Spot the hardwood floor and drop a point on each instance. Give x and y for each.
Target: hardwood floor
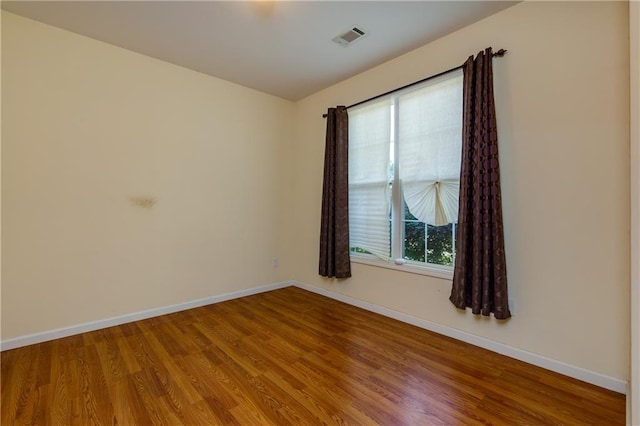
(285, 357)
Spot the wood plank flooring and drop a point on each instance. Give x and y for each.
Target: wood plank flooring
(286, 357)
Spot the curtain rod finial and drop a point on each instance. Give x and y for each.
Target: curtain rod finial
(500, 52)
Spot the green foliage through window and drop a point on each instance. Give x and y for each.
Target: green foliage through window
(427, 243)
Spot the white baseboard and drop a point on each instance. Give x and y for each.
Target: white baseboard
(579, 373)
(58, 333)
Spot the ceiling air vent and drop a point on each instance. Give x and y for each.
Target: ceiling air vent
(350, 37)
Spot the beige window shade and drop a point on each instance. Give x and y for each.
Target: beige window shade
(369, 203)
(430, 132)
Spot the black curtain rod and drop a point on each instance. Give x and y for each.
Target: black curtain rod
(500, 53)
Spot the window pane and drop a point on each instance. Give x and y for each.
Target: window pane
(359, 250)
(408, 215)
(414, 241)
(440, 244)
(413, 138)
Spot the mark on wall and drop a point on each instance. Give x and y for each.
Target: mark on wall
(143, 202)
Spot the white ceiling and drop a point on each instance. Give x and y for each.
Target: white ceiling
(279, 47)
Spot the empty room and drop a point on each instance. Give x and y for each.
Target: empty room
(320, 212)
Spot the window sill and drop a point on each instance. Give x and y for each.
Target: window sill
(432, 271)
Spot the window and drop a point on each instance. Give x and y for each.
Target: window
(404, 171)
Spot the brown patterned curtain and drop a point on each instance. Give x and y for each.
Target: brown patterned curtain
(480, 274)
(334, 226)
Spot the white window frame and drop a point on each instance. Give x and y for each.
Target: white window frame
(397, 215)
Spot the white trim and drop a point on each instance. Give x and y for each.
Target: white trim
(58, 333)
(432, 271)
(579, 373)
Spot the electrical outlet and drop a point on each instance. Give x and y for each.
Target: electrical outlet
(275, 262)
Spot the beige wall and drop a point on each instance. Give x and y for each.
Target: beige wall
(0, 184)
(634, 56)
(562, 98)
(88, 128)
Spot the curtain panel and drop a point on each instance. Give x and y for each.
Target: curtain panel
(480, 273)
(334, 223)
